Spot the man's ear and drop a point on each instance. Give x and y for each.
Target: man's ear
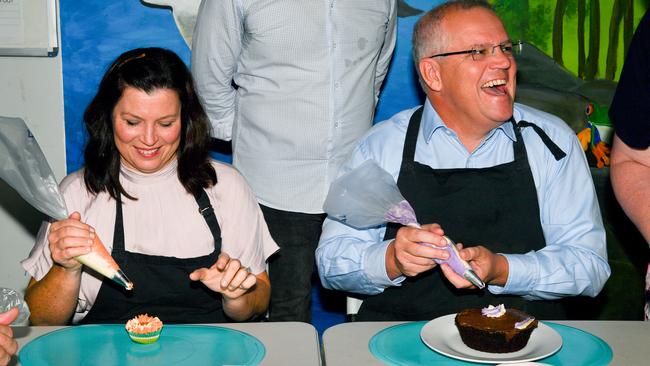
(430, 73)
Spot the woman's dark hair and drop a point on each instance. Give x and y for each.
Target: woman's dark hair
(146, 69)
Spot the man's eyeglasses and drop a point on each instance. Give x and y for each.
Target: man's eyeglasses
(480, 52)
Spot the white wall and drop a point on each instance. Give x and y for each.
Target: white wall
(30, 88)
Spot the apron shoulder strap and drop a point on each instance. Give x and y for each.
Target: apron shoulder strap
(552, 146)
(207, 211)
(410, 140)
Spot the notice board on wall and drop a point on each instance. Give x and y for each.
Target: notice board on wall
(28, 28)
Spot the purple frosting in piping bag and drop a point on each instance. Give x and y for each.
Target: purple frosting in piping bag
(403, 213)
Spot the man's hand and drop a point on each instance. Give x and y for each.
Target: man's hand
(226, 276)
(413, 250)
(490, 267)
(8, 345)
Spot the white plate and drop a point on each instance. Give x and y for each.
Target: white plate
(442, 336)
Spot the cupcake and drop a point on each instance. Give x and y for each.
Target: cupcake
(495, 329)
(144, 328)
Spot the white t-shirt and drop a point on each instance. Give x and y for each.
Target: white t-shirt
(164, 221)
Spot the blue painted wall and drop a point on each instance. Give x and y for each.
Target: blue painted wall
(93, 33)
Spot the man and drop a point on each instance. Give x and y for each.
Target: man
(8, 345)
(294, 84)
(630, 159)
(470, 162)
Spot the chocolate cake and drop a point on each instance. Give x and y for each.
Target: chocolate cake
(495, 329)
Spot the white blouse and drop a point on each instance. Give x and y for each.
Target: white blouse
(164, 221)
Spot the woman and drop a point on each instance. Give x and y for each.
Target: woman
(185, 229)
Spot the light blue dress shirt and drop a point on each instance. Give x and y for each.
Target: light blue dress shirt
(574, 261)
(308, 75)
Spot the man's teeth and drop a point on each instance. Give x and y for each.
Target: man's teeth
(493, 83)
(148, 152)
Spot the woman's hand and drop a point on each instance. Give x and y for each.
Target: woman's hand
(226, 276)
(68, 239)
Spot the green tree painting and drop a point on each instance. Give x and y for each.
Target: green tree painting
(588, 37)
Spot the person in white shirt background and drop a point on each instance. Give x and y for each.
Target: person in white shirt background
(293, 87)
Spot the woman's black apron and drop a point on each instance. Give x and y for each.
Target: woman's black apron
(162, 284)
(495, 207)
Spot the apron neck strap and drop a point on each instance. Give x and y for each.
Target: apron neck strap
(552, 146)
(411, 139)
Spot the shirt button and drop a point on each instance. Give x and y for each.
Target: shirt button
(337, 85)
(334, 45)
(337, 124)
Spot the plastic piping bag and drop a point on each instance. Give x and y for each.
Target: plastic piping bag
(367, 196)
(24, 167)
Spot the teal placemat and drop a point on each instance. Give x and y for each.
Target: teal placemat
(401, 345)
(111, 345)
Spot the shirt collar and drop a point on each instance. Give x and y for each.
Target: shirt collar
(433, 123)
(136, 176)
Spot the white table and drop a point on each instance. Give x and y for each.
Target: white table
(286, 343)
(347, 344)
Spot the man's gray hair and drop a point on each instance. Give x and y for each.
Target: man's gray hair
(427, 37)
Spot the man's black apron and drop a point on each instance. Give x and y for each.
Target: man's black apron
(495, 207)
(162, 284)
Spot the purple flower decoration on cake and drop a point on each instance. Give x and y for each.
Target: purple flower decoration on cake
(494, 311)
(524, 323)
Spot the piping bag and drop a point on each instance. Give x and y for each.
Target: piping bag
(24, 167)
(367, 196)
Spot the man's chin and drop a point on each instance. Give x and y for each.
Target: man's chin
(502, 112)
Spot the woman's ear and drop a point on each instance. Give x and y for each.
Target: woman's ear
(430, 73)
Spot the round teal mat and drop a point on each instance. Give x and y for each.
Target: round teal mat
(401, 345)
(111, 345)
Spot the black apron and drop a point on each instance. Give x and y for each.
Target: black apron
(162, 284)
(495, 207)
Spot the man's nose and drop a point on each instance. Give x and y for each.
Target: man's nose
(500, 59)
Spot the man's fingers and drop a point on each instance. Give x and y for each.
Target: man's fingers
(455, 279)
(421, 253)
(434, 228)
(469, 254)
